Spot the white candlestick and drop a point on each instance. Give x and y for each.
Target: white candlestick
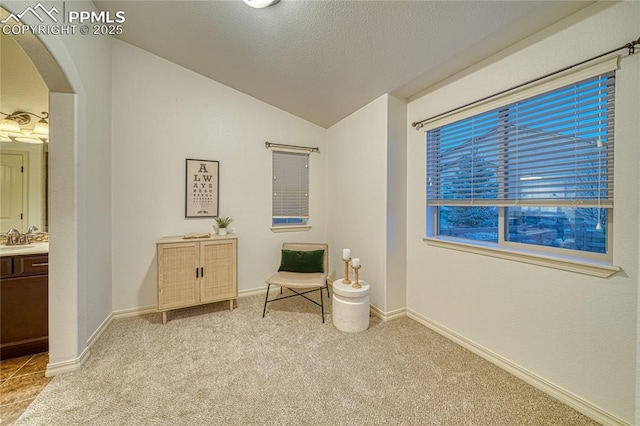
(346, 254)
(355, 262)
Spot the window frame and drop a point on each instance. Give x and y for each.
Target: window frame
(432, 232)
(597, 264)
(290, 227)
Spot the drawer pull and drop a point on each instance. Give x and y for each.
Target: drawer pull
(40, 264)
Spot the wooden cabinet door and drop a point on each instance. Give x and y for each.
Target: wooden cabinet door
(218, 258)
(24, 314)
(177, 281)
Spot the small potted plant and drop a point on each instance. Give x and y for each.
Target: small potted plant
(223, 223)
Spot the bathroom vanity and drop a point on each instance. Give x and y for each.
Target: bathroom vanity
(24, 312)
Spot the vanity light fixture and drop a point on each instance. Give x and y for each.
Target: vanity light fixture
(28, 137)
(41, 130)
(260, 4)
(11, 127)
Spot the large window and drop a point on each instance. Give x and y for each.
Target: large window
(290, 192)
(535, 173)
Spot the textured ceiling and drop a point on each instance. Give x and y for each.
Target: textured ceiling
(323, 60)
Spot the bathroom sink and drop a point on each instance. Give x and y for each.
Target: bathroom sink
(12, 248)
(24, 249)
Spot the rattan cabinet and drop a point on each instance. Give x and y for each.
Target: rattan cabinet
(195, 272)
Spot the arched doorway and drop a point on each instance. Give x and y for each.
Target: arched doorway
(52, 60)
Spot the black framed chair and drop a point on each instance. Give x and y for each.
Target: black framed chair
(301, 283)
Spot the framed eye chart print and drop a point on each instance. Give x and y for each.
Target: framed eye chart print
(202, 185)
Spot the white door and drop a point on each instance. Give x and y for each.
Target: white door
(11, 192)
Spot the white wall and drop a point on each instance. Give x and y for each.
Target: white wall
(357, 174)
(573, 330)
(92, 59)
(164, 114)
(367, 197)
(65, 342)
(396, 244)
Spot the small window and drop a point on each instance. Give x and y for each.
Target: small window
(536, 173)
(290, 195)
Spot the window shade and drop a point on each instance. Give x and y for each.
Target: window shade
(290, 185)
(552, 149)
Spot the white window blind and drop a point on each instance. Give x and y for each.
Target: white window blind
(290, 186)
(552, 149)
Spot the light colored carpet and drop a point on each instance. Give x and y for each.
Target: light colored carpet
(209, 366)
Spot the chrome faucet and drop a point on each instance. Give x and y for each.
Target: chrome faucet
(13, 237)
(31, 232)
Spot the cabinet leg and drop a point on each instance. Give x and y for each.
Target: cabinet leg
(164, 318)
(231, 305)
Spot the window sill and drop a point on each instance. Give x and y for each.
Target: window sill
(582, 266)
(292, 228)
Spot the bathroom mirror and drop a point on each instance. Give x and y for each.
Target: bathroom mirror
(23, 166)
(23, 180)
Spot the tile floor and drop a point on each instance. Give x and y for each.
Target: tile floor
(21, 380)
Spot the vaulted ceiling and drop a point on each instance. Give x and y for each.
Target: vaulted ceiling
(322, 60)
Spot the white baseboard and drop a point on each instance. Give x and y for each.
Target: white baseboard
(124, 313)
(96, 334)
(56, 368)
(134, 312)
(375, 311)
(74, 364)
(252, 292)
(563, 395)
(387, 316)
(379, 313)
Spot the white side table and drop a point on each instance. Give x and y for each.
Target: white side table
(350, 306)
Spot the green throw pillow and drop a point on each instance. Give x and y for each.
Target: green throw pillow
(302, 261)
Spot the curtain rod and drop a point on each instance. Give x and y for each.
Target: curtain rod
(301, 148)
(632, 49)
